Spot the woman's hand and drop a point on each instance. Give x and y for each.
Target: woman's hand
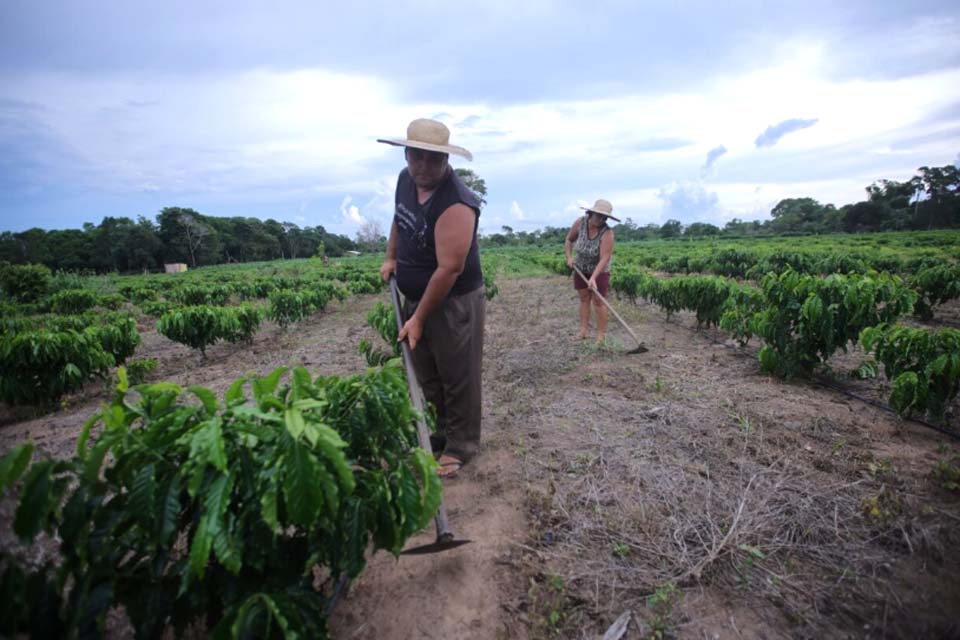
(570, 262)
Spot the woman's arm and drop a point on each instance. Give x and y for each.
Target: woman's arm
(572, 236)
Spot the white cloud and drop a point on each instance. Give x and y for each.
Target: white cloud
(690, 202)
(350, 213)
(308, 135)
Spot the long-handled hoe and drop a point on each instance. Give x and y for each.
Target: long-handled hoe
(445, 538)
(640, 348)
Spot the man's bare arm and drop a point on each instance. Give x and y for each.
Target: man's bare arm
(453, 236)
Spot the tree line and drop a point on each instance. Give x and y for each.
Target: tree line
(178, 235)
(929, 200)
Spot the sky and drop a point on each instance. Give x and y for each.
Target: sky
(694, 111)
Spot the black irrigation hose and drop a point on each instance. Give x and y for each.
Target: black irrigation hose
(850, 394)
(337, 590)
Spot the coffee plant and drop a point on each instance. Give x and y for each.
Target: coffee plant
(923, 365)
(805, 319)
(186, 510)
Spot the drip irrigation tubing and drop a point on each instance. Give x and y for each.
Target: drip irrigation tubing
(831, 385)
(337, 590)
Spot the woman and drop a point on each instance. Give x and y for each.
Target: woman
(593, 240)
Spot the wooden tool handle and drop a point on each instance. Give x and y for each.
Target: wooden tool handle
(614, 311)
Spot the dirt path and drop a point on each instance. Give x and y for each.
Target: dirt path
(680, 485)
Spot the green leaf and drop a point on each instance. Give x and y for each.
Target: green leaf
(211, 523)
(432, 487)
(85, 434)
(301, 484)
(332, 446)
(206, 397)
(35, 501)
(272, 606)
(228, 548)
(268, 506)
(355, 530)
(143, 494)
(170, 510)
(234, 394)
(14, 464)
(294, 421)
(265, 386)
(206, 445)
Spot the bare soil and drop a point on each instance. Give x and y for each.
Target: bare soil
(681, 485)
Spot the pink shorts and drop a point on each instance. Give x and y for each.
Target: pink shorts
(603, 283)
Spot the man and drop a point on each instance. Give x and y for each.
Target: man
(433, 253)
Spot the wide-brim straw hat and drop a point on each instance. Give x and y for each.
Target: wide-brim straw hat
(429, 135)
(603, 207)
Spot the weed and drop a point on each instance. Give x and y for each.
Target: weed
(882, 507)
(745, 565)
(837, 446)
(947, 473)
(658, 384)
(660, 604)
(140, 370)
(551, 610)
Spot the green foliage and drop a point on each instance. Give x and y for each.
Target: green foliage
(195, 327)
(803, 320)
(706, 296)
(157, 308)
(490, 286)
(42, 359)
(947, 473)
(923, 365)
(118, 337)
(552, 610)
(660, 605)
(247, 324)
(140, 370)
(25, 282)
(184, 508)
(935, 285)
(73, 301)
(287, 307)
(384, 322)
(201, 326)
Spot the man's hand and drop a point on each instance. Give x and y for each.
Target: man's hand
(411, 331)
(570, 262)
(388, 267)
(592, 283)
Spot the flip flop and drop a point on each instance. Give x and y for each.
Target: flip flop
(449, 466)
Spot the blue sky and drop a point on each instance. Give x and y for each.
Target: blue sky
(698, 111)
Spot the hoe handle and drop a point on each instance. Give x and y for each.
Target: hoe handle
(612, 310)
(416, 397)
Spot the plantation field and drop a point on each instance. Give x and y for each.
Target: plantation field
(685, 485)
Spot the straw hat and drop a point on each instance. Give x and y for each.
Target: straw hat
(603, 207)
(430, 135)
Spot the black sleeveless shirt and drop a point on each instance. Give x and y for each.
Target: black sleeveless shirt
(416, 251)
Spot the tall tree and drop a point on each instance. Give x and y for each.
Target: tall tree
(475, 183)
(370, 236)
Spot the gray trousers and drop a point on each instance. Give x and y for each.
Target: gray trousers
(447, 362)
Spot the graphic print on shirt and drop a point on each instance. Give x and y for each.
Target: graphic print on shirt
(413, 225)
